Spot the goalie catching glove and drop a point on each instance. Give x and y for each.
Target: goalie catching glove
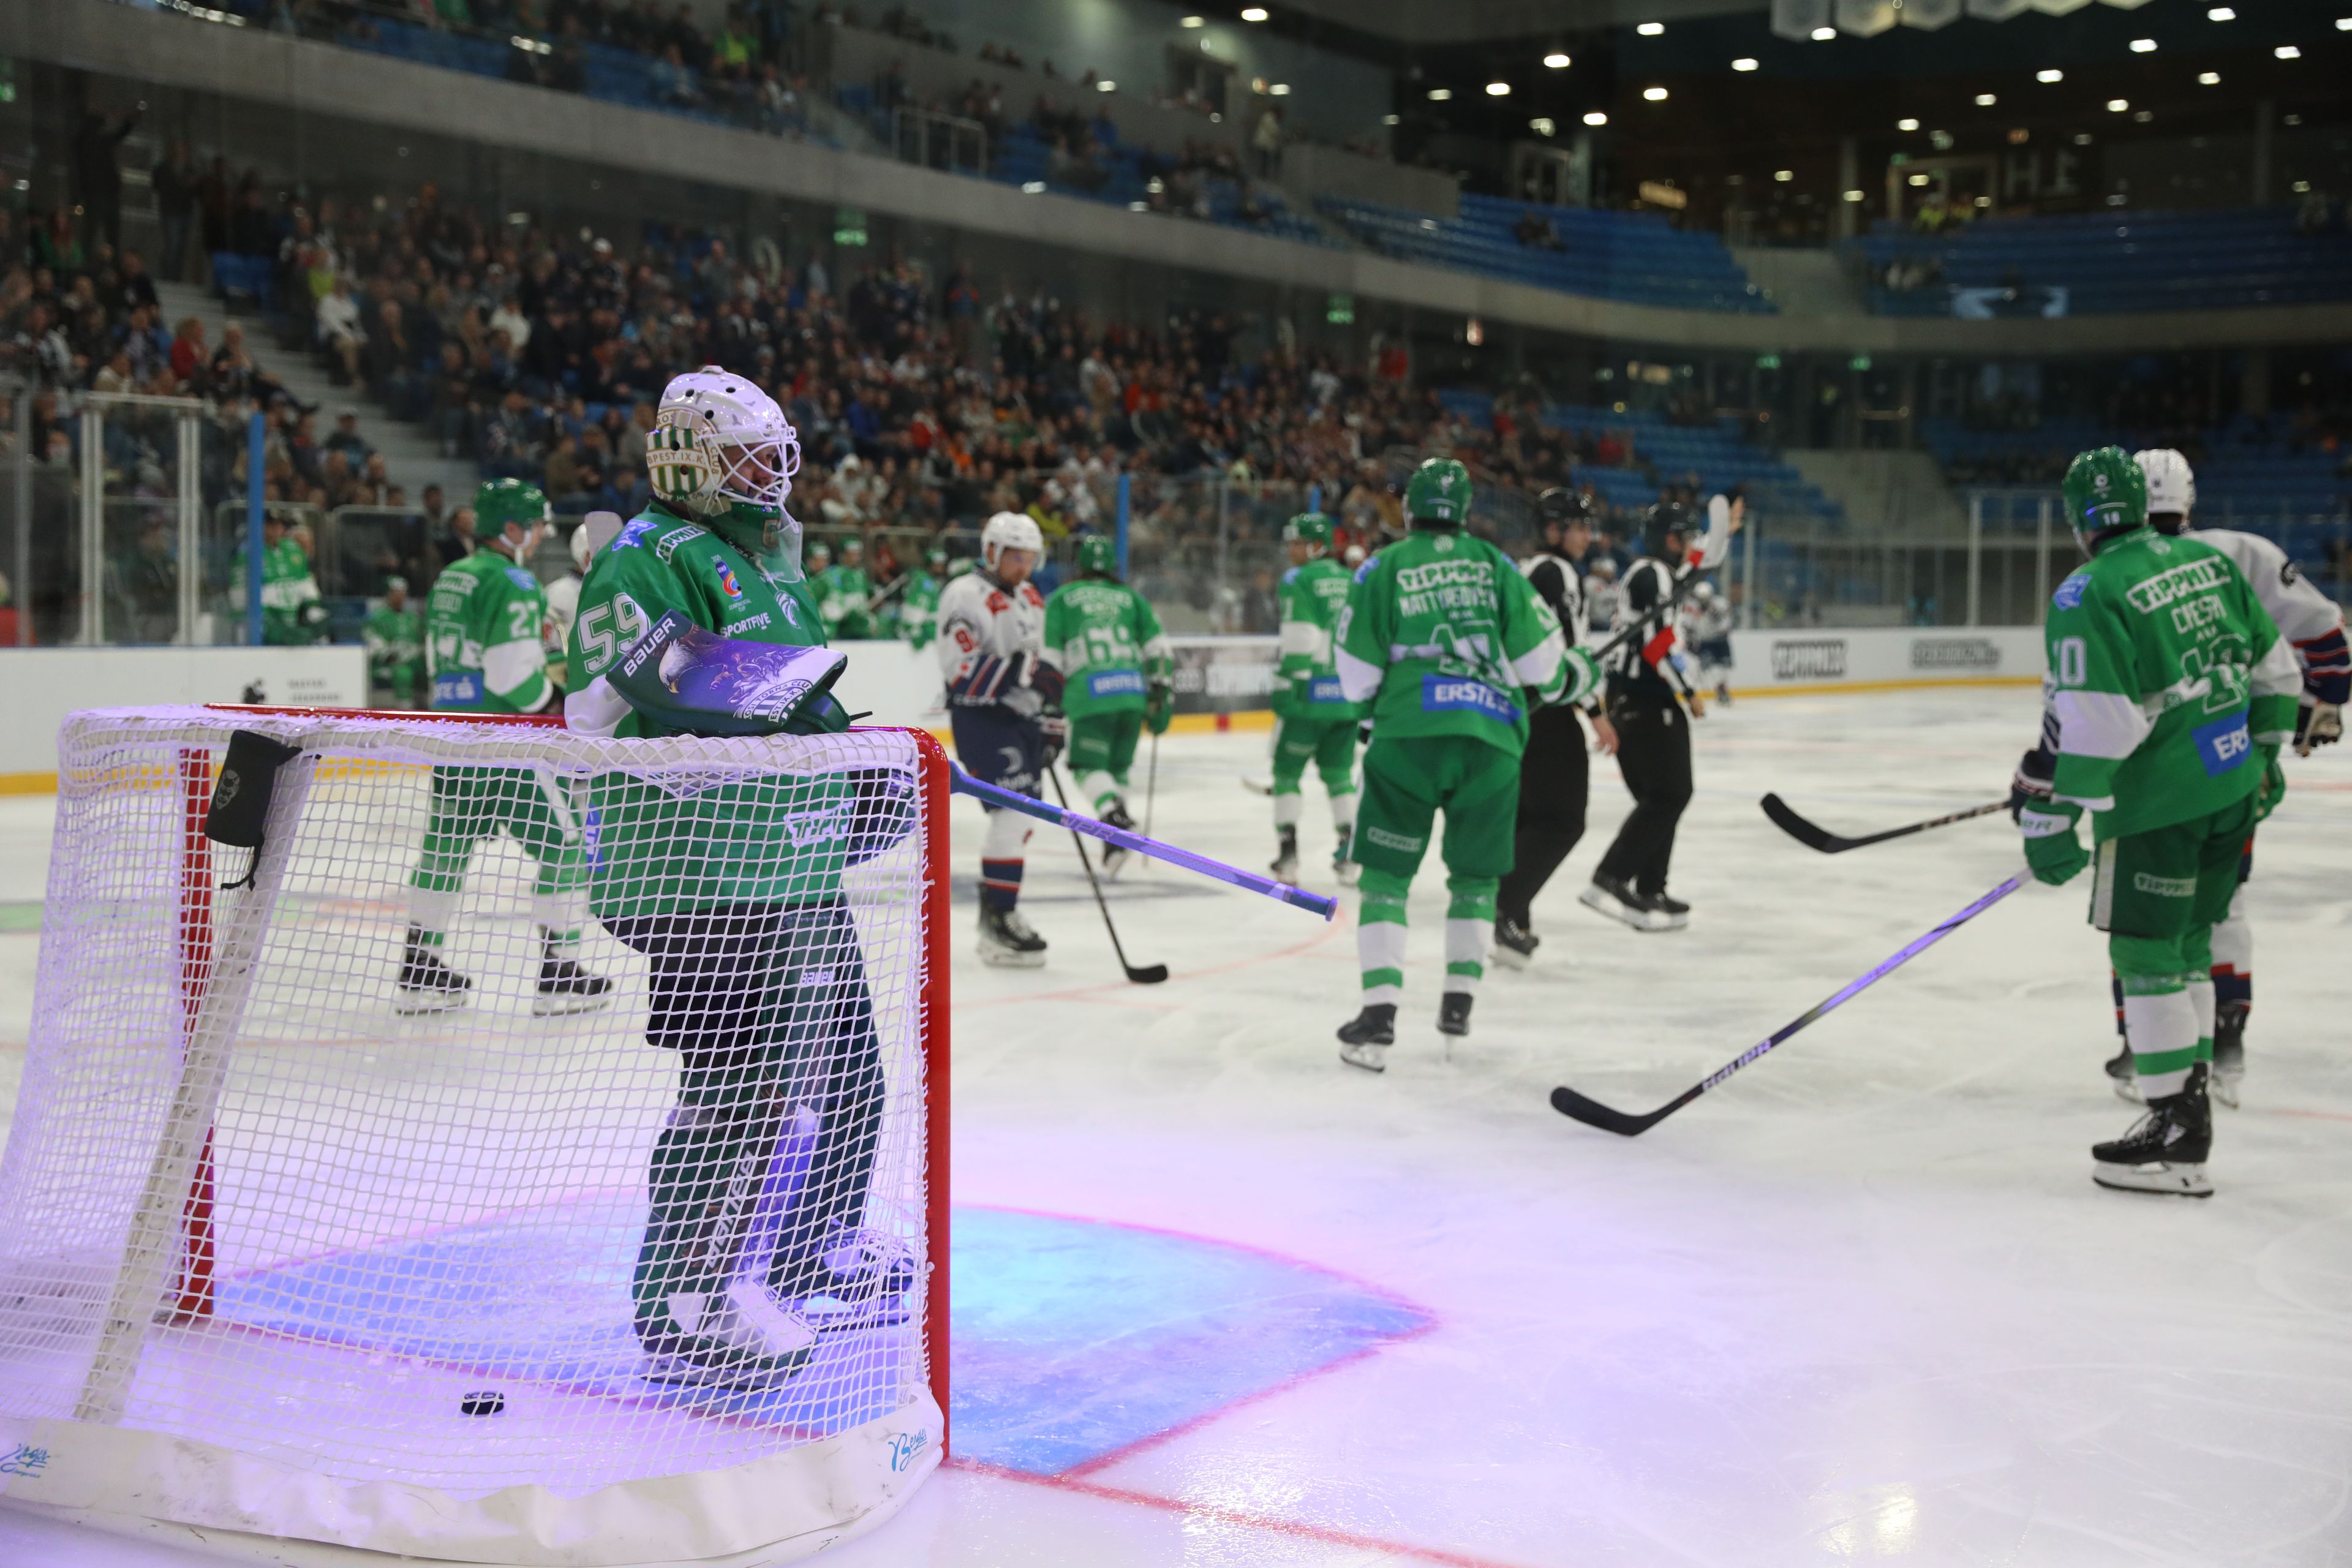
(696, 682)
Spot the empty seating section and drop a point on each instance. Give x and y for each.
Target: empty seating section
(2110, 261)
(1637, 258)
(1122, 175)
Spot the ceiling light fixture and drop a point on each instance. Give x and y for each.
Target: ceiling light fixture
(1986, 100)
(1823, 35)
(1279, 89)
(1907, 125)
(2208, 79)
(1106, 85)
(1254, 14)
(1498, 89)
(1542, 125)
(2287, 52)
(1654, 94)
(1651, 29)
(2050, 76)
(1555, 60)
(1440, 94)
(1193, 22)
(2143, 46)
(1743, 64)
(2117, 105)
(1595, 117)
(1784, 175)
(2220, 13)
(1856, 195)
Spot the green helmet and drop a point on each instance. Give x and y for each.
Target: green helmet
(1309, 528)
(961, 567)
(1098, 556)
(935, 556)
(1439, 492)
(819, 553)
(2106, 493)
(502, 501)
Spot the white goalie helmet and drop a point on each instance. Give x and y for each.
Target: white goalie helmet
(2171, 486)
(1009, 531)
(718, 441)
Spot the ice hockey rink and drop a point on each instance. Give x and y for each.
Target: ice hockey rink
(1863, 1302)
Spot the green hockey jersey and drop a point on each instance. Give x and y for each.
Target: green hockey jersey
(482, 629)
(2167, 676)
(395, 650)
(1443, 635)
(919, 610)
(291, 611)
(774, 838)
(1106, 639)
(1307, 681)
(842, 596)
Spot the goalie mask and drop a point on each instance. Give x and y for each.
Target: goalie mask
(722, 453)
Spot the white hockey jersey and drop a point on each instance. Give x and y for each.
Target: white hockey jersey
(2304, 614)
(991, 639)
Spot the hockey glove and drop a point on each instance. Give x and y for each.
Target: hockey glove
(1053, 734)
(2273, 789)
(2321, 724)
(2052, 849)
(1159, 707)
(2030, 785)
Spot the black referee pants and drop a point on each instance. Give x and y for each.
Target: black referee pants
(1554, 779)
(1653, 753)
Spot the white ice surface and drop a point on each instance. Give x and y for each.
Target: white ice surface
(1863, 1302)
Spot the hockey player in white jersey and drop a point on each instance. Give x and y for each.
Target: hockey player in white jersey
(2314, 625)
(1005, 703)
(563, 604)
(1707, 631)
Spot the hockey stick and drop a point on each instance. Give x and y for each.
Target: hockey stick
(1150, 975)
(963, 783)
(1815, 837)
(1151, 785)
(1593, 1113)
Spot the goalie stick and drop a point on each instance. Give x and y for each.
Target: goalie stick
(1593, 1113)
(1146, 974)
(1816, 837)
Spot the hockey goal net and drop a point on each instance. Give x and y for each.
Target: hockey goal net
(531, 1149)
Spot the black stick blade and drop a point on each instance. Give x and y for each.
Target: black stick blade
(1593, 1113)
(1151, 974)
(1786, 819)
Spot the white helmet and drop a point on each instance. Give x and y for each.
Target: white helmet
(2170, 485)
(583, 548)
(1009, 531)
(718, 441)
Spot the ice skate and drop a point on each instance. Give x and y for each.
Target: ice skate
(1668, 912)
(1614, 897)
(2229, 1057)
(1114, 857)
(2166, 1150)
(742, 1340)
(1453, 1013)
(2122, 1076)
(1364, 1040)
(1342, 867)
(1286, 859)
(864, 1281)
(1515, 944)
(426, 983)
(565, 987)
(1007, 943)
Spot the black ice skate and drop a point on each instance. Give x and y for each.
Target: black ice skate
(565, 987)
(1286, 858)
(1453, 1013)
(1615, 896)
(1670, 912)
(1006, 941)
(1515, 944)
(2166, 1150)
(1365, 1040)
(426, 983)
(1113, 855)
(2229, 1054)
(2123, 1077)
(1344, 868)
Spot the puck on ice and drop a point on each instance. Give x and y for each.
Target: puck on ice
(488, 1402)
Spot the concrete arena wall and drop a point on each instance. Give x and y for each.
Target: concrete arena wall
(39, 686)
(1222, 682)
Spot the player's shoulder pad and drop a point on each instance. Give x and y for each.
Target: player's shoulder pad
(2069, 593)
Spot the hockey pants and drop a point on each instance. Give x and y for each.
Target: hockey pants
(1406, 783)
(2159, 894)
(1553, 783)
(1653, 752)
(471, 805)
(779, 1108)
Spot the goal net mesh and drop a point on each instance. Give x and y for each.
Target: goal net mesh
(559, 1122)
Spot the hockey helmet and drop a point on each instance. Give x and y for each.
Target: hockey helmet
(853, 548)
(1668, 517)
(503, 502)
(2171, 486)
(718, 441)
(1564, 504)
(1098, 556)
(1438, 493)
(935, 556)
(2106, 494)
(1009, 531)
(820, 555)
(583, 548)
(1309, 528)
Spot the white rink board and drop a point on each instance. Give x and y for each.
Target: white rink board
(39, 686)
(1861, 1302)
(1872, 655)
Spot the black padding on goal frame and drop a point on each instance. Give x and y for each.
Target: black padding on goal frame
(240, 803)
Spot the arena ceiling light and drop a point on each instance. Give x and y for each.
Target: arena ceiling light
(1986, 100)
(2208, 79)
(1279, 89)
(1654, 94)
(2220, 13)
(1595, 117)
(1106, 85)
(1254, 14)
(1856, 195)
(1918, 179)
(1440, 94)
(2287, 52)
(2143, 46)
(1907, 125)
(1498, 89)
(1651, 29)
(1543, 125)
(1193, 22)
(2050, 76)
(1823, 35)
(1555, 60)
(1392, 120)
(1743, 64)
(2117, 105)
(1784, 175)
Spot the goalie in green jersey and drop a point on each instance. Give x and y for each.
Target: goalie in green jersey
(1313, 720)
(1107, 640)
(484, 654)
(2173, 691)
(1450, 646)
